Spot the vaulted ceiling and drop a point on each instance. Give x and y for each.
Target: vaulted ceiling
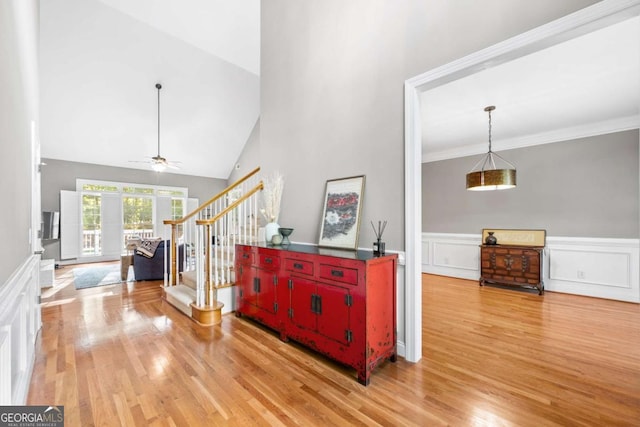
(100, 61)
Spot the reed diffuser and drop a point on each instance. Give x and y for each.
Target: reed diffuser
(378, 245)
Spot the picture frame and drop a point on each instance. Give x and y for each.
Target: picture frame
(517, 237)
(340, 223)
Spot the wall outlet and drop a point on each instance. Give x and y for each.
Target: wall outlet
(580, 274)
(446, 261)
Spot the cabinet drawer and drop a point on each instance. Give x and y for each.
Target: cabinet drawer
(244, 257)
(299, 266)
(268, 262)
(339, 274)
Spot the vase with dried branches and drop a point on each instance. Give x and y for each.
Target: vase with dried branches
(271, 197)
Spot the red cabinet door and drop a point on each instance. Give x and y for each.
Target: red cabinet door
(302, 294)
(333, 314)
(265, 290)
(244, 281)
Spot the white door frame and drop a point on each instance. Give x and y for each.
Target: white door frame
(581, 22)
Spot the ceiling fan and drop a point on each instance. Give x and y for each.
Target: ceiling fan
(159, 163)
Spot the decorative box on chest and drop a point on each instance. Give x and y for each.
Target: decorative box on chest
(339, 303)
(515, 259)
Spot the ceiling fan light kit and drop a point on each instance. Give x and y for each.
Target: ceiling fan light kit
(486, 175)
(159, 163)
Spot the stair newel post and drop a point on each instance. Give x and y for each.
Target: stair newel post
(214, 273)
(207, 264)
(173, 270)
(199, 266)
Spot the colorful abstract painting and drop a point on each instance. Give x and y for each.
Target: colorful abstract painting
(341, 213)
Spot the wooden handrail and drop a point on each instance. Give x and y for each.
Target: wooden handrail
(232, 206)
(213, 199)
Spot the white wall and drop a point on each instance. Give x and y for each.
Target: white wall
(19, 269)
(18, 110)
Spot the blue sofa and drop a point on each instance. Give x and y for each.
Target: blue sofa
(153, 268)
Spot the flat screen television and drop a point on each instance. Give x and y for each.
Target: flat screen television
(50, 225)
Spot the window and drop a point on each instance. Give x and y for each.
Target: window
(91, 224)
(137, 217)
(132, 210)
(177, 208)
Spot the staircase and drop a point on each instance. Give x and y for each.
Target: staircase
(209, 235)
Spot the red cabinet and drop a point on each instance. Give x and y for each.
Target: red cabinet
(317, 308)
(340, 303)
(257, 281)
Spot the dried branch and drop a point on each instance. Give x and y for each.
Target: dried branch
(271, 196)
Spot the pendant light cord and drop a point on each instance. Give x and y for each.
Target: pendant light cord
(489, 130)
(158, 86)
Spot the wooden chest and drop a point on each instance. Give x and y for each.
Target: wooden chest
(512, 265)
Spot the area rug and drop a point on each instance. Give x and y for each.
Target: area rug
(89, 277)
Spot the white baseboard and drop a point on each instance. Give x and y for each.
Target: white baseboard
(596, 267)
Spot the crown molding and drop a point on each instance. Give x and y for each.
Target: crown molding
(583, 131)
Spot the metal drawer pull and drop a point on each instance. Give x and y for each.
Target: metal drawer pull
(268, 260)
(507, 262)
(298, 266)
(245, 256)
(337, 273)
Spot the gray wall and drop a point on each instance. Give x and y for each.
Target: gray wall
(332, 76)
(18, 107)
(582, 188)
(249, 158)
(61, 175)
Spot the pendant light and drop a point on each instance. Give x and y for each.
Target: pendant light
(486, 175)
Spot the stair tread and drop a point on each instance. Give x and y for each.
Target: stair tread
(181, 293)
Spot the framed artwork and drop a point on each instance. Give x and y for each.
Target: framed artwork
(341, 213)
(516, 237)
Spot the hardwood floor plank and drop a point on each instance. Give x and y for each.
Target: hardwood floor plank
(120, 355)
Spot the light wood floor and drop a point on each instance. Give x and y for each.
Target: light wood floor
(119, 355)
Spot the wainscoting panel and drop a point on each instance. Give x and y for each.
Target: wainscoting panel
(594, 268)
(603, 268)
(19, 324)
(455, 255)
